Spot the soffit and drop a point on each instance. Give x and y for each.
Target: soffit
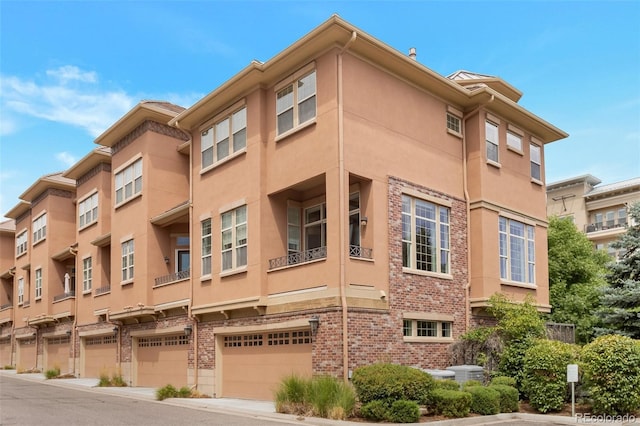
(18, 210)
(88, 162)
(52, 181)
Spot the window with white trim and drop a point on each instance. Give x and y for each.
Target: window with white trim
(205, 232)
(234, 238)
(517, 251)
(296, 103)
(535, 162)
(87, 273)
(492, 141)
(426, 329)
(425, 235)
(514, 141)
(453, 123)
(306, 230)
(128, 182)
(354, 219)
(21, 243)
(127, 260)
(40, 228)
(315, 227)
(38, 283)
(224, 138)
(20, 290)
(88, 210)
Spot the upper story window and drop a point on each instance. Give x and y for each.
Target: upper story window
(514, 141)
(354, 219)
(21, 243)
(20, 290)
(493, 144)
(128, 181)
(517, 251)
(234, 238)
(225, 137)
(425, 235)
(306, 232)
(453, 123)
(40, 228)
(87, 274)
(88, 210)
(38, 283)
(536, 162)
(622, 217)
(205, 227)
(127, 260)
(296, 103)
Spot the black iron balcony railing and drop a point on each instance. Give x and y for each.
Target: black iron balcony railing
(177, 276)
(5, 306)
(298, 257)
(26, 303)
(601, 226)
(63, 296)
(361, 252)
(102, 290)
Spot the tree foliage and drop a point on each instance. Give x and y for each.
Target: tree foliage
(576, 278)
(620, 311)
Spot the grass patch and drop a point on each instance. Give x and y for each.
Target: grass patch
(52, 373)
(321, 396)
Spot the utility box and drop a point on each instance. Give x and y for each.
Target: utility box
(464, 373)
(441, 374)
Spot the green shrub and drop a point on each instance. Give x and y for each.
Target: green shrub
(470, 383)
(447, 384)
(104, 381)
(376, 410)
(9, 367)
(384, 381)
(52, 373)
(484, 400)
(544, 373)
(403, 411)
(118, 381)
(451, 403)
(323, 396)
(292, 389)
(168, 391)
(612, 374)
(508, 398)
(184, 392)
(503, 380)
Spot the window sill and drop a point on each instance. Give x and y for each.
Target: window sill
(494, 164)
(518, 284)
(127, 282)
(230, 272)
(225, 160)
(128, 200)
(537, 182)
(87, 225)
(204, 278)
(427, 273)
(35, 243)
(454, 133)
(21, 254)
(37, 299)
(362, 259)
(427, 339)
(515, 150)
(296, 129)
(85, 292)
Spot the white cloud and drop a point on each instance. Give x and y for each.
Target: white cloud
(7, 126)
(70, 72)
(66, 158)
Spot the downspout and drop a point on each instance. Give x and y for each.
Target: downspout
(342, 214)
(465, 187)
(74, 253)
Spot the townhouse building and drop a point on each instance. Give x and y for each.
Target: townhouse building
(600, 211)
(337, 205)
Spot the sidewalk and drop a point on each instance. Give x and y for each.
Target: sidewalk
(266, 409)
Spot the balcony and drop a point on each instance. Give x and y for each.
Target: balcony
(63, 296)
(603, 226)
(360, 252)
(5, 306)
(298, 258)
(171, 278)
(26, 303)
(102, 290)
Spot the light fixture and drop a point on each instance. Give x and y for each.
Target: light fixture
(314, 323)
(68, 332)
(115, 331)
(188, 330)
(166, 260)
(363, 221)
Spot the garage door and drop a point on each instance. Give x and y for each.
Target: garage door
(58, 351)
(99, 356)
(26, 356)
(162, 361)
(5, 351)
(254, 364)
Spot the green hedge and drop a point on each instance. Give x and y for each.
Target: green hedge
(504, 380)
(391, 382)
(447, 384)
(508, 398)
(375, 410)
(484, 400)
(451, 403)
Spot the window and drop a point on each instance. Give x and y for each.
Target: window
(622, 217)
(20, 290)
(294, 242)
(598, 221)
(40, 228)
(611, 219)
(354, 219)
(205, 227)
(38, 283)
(88, 210)
(453, 123)
(306, 233)
(514, 141)
(127, 260)
(234, 238)
(491, 135)
(87, 274)
(426, 328)
(425, 235)
(224, 138)
(517, 251)
(315, 226)
(535, 162)
(296, 103)
(21, 243)
(129, 182)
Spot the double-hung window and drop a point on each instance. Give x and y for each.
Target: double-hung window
(40, 228)
(296, 103)
(38, 283)
(307, 232)
(87, 274)
(88, 210)
(492, 141)
(517, 251)
(354, 219)
(21, 243)
(425, 235)
(224, 138)
(205, 227)
(20, 291)
(127, 260)
(234, 238)
(128, 181)
(514, 141)
(536, 162)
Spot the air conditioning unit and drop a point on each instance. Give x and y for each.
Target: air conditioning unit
(464, 373)
(441, 374)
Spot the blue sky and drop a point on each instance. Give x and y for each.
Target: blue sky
(69, 69)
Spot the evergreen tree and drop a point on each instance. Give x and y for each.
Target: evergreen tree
(576, 278)
(620, 311)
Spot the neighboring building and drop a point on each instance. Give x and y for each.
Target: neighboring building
(335, 206)
(601, 212)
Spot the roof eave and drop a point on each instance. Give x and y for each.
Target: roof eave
(88, 162)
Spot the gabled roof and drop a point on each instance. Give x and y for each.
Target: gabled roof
(99, 155)
(472, 80)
